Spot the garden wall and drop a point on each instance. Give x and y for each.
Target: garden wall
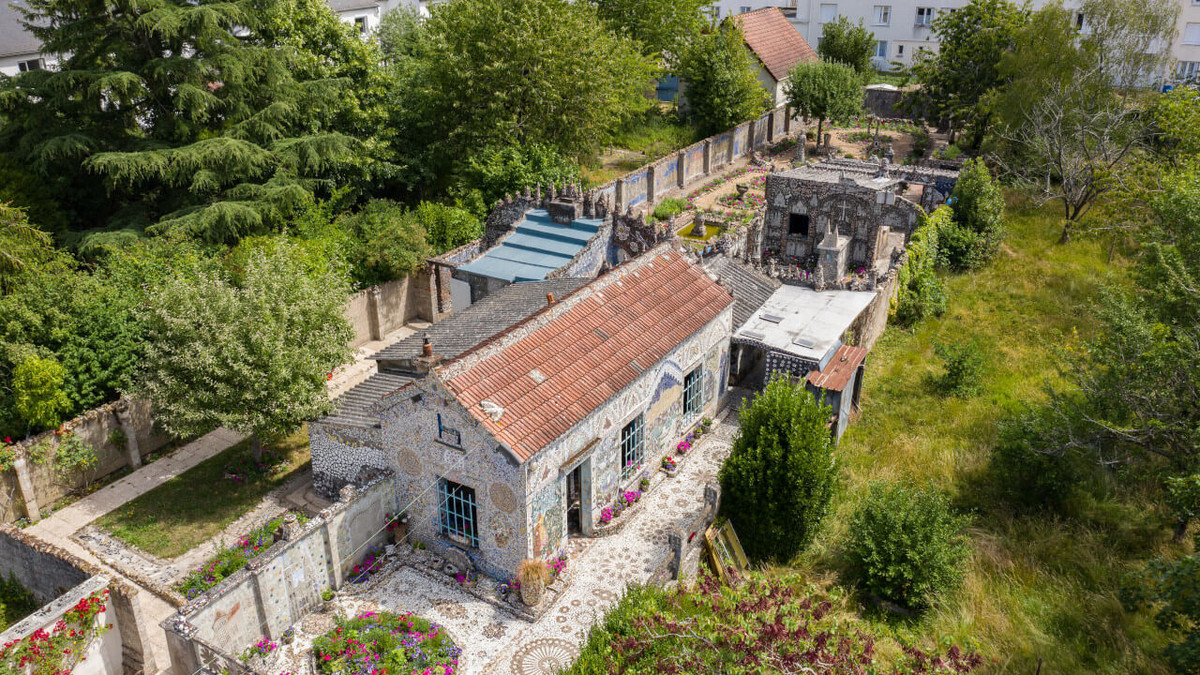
(59, 580)
(33, 485)
(376, 311)
(280, 586)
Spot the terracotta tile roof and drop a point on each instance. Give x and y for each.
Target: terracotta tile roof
(773, 39)
(552, 370)
(839, 370)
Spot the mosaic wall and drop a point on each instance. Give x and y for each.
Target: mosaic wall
(590, 259)
(666, 175)
(633, 190)
(719, 151)
(741, 140)
(694, 162)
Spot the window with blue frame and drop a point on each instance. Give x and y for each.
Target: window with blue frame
(632, 447)
(692, 383)
(447, 434)
(456, 504)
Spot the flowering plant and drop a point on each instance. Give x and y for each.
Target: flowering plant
(383, 642)
(683, 447)
(60, 648)
(368, 566)
(229, 560)
(631, 496)
(668, 463)
(260, 648)
(511, 586)
(8, 453)
(557, 564)
(607, 514)
(465, 578)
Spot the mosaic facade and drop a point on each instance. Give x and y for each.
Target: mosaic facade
(520, 508)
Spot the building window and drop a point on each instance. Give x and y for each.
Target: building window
(798, 224)
(632, 447)
(457, 508)
(828, 12)
(745, 9)
(360, 23)
(691, 391)
(881, 49)
(924, 16)
(1188, 70)
(31, 64)
(1078, 20)
(1191, 34)
(899, 50)
(448, 435)
(883, 15)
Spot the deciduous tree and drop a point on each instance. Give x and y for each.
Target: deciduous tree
(847, 43)
(250, 356)
(722, 80)
(662, 28)
(825, 91)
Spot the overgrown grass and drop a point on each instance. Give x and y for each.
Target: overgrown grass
(230, 559)
(1037, 587)
(16, 602)
(655, 134)
(193, 507)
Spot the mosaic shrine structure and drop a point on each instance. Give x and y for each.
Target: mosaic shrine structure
(502, 453)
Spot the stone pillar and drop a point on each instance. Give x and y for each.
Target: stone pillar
(25, 485)
(124, 413)
(185, 657)
(619, 189)
(651, 181)
(681, 169)
(374, 312)
(751, 136)
(732, 143)
(260, 605)
(136, 655)
(707, 157)
(335, 556)
(787, 120)
(675, 545)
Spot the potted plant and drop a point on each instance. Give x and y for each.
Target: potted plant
(644, 483)
(288, 635)
(397, 526)
(533, 575)
(669, 465)
(327, 599)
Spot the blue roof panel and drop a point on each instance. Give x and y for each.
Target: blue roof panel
(537, 247)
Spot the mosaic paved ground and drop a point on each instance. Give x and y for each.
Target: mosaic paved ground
(497, 643)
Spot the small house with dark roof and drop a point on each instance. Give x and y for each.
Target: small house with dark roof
(505, 450)
(777, 45)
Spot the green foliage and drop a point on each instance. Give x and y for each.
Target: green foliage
(387, 242)
(1183, 498)
(447, 227)
(518, 72)
(921, 293)
(975, 233)
(501, 170)
(1172, 589)
(38, 395)
(669, 207)
(251, 356)
(906, 544)
(230, 559)
(662, 28)
(960, 79)
(130, 129)
(1030, 471)
(847, 43)
(825, 91)
(399, 33)
(21, 244)
(722, 80)
(395, 643)
(16, 602)
(758, 626)
(964, 365)
(780, 474)
(72, 456)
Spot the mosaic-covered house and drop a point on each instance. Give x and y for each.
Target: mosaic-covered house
(506, 450)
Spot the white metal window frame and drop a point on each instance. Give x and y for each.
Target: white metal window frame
(925, 16)
(883, 15)
(829, 12)
(1191, 34)
(881, 49)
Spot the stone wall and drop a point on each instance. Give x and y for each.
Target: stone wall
(33, 485)
(59, 580)
(376, 311)
(590, 259)
(282, 585)
(872, 322)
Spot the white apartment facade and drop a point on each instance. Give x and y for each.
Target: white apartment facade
(903, 28)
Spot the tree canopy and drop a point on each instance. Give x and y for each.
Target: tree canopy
(662, 28)
(722, 80)
(847, 43)
(825, 91)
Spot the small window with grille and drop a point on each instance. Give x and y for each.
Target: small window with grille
(691, 391)
(448, 435)
(632, 447)
(456, 504)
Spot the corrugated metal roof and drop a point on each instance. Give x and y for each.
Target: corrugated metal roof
(839, 370)
(537, 247)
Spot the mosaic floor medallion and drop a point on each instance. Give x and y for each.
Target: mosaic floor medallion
(544, 657)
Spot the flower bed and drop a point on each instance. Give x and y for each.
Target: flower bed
(368, 567)
(262, 648)
(718, 182)
(229, 560)
(749, 200)
(59, 649)
(864, 137)
(383, 643)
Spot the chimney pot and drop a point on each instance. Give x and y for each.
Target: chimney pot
(549, 298)
(427, 347)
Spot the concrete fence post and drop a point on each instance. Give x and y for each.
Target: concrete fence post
(787, 120)
(771, 127)
(708, 156)
(729, 156)
(751, 136)
(675, 545)
(619, 190)
(25, 485)
(651, 180)
(681, 169)
(260, 605)
(375, 312)
(335, 556)
(124, 413)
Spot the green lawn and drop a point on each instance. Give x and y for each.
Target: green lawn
(1037, 587)
(193, 507)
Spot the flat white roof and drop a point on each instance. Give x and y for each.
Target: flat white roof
(804, 322)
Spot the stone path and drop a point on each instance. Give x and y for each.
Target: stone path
(59, 527)
(494, 641)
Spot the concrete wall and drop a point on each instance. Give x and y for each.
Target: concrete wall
(59, 581)
(283, 584)
(376, 311)
(34, 486)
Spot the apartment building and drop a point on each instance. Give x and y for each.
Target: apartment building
(1186, 48)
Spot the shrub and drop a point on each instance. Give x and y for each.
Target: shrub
(921, 293)
(387, 242)
(950, 152)
(906, 544)
(503, 170)
(37, 386)
(384, 642)
(447, 227)
(780, 474)
(978, 224)
(964, 367)
(669, 207)
(532, 571)
(1029, 466)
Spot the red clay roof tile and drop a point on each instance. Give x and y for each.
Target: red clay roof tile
(773, 39)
